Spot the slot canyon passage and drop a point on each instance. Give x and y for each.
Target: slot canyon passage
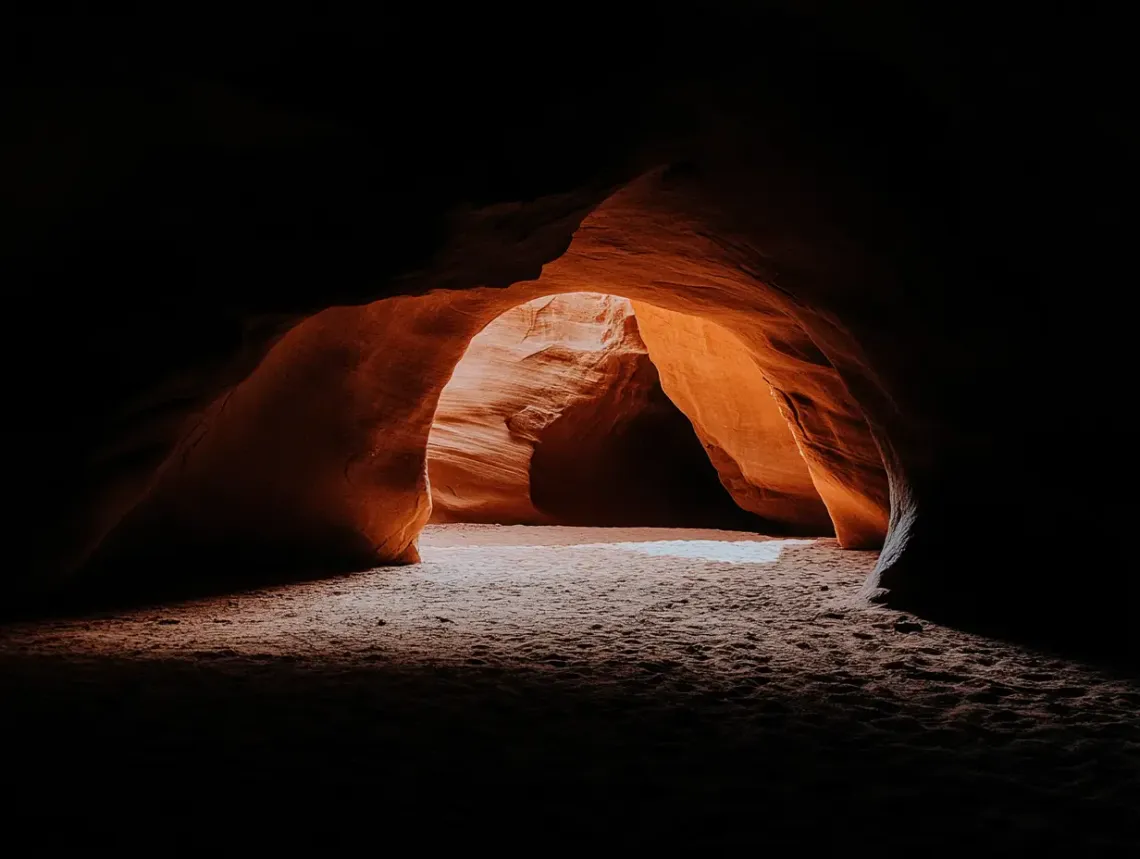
(705, 431)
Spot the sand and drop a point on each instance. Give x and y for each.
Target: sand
(645, 687)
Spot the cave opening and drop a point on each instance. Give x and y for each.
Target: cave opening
(652, 379)
(558, 414)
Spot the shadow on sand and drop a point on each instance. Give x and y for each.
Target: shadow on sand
(431, 755)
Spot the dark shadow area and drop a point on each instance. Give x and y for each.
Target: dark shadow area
(126, 587)
(411, 754)
(1067, 625)
(1063, 591)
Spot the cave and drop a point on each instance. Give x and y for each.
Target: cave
(687, 430)
(317, 461)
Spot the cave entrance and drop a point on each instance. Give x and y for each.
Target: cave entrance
(558, 414)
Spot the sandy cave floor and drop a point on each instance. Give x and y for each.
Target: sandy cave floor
(658, 686)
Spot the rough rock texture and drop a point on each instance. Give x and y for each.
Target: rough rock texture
(555, 414)
(751, 435)
(924, 214)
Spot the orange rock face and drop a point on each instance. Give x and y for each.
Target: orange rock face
(320, 457)
(715, 380)
(556, 415)
(517, 378)
(650, 242)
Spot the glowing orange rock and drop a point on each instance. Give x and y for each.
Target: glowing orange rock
(555, 415)
(518, 376)
(714, 379)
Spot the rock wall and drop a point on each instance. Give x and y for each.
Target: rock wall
(347, 400)
(755, 443)
(649, 242)
(314, 463)
(555, 415)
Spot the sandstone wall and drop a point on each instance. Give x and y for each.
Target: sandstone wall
(556, 415)
(715, 380)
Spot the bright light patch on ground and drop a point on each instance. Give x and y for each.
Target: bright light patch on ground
(736, 552)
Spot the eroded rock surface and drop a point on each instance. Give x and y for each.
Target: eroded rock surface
(320, 457)
(716, 380)
(555, 415)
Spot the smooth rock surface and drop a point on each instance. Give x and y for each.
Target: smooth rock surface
(555, 415)
(349, 395)
(716, 381)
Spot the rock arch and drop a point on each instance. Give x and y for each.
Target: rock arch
(319, 458)
(556, 415)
